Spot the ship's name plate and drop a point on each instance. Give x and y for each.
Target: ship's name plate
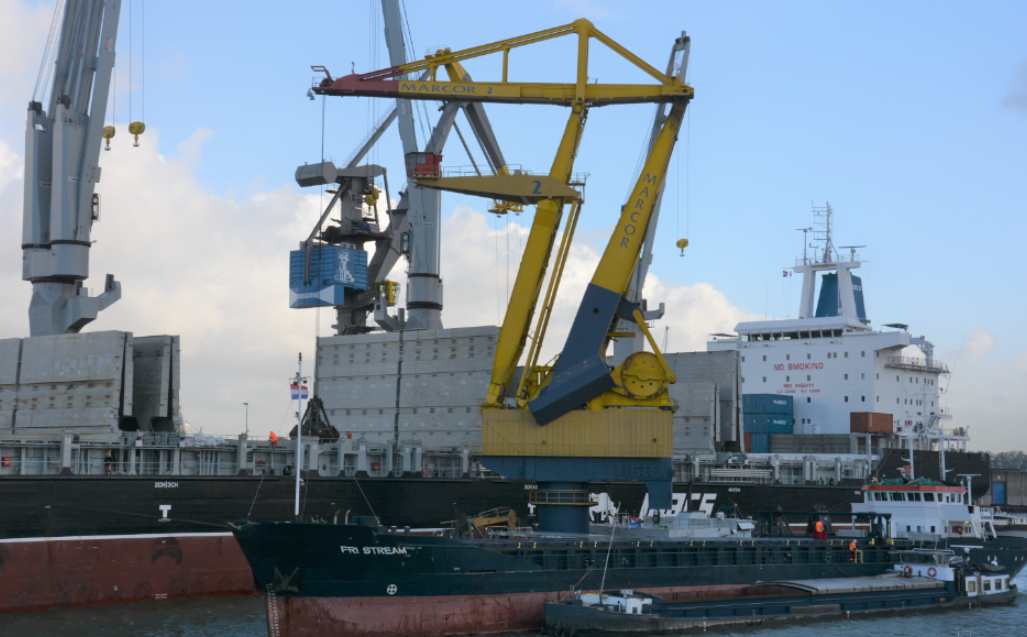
(374, 550)
(165, 485)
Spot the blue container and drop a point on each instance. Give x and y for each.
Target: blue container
(768, 404)
(333, 271)
(767, 424)
(761, 443)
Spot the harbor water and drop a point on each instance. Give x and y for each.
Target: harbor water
(244, 617)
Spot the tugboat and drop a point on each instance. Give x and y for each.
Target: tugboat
(921, 579)
(933, 514)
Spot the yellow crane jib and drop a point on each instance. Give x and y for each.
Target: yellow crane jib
(528, 189)
(581, 374)
(393, 82)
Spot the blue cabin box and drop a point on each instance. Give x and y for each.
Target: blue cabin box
(333, 270)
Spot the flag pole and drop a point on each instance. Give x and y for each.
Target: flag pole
(299, 433)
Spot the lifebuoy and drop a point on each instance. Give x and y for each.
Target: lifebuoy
(908, 570)
(426, 471)
(932, 571)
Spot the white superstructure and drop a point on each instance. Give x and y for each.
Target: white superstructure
(834, 363)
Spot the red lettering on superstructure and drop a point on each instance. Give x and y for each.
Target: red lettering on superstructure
(804, 366)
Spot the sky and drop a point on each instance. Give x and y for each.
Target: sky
(909, 118)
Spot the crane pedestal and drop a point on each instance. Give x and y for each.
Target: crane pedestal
(562, 507)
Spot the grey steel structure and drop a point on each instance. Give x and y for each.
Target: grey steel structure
(415, 224)
(96, 386)
(62, 148)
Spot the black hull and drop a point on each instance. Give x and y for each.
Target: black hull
(353, 580)
(75, 506)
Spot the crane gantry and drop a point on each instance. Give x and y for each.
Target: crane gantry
(576, 421)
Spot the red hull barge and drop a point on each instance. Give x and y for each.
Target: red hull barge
(72, 572)
(432, 616)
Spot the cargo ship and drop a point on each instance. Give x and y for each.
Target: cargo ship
(342, 580)
(108, 499)
(368, 580)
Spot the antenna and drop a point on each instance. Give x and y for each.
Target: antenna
(823, 231)
(852, 251)
(805, 245)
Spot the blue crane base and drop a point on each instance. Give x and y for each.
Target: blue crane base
(560, 478)
(581, 372)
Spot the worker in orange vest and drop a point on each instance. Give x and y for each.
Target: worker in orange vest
(274, 440)
(819, 533)
(852, 551)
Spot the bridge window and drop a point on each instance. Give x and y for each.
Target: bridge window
(846, 377)
(914, 497)
(880, 497)
(987, 585)
(896, 497)
(928, 497)
(971, 587)
(764, 358)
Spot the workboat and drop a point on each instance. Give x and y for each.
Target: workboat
(921, 579)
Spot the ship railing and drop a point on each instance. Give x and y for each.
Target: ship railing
(160, 439)
(916, 364)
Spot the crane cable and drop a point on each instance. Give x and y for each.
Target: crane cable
(47, 63)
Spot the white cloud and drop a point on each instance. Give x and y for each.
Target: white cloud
(982, 395)
(693, 313)
(210, 268)
(470, 273)
(980, 342)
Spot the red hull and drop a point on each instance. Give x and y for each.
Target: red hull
(430, 616)
(39, 574)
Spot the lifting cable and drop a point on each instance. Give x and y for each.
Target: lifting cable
(46, 65)
(498, 301)
(131, 54)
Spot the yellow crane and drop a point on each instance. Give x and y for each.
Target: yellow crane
(576, 421)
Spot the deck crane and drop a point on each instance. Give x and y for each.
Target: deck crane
(62, 152)
(577, 421)
(413, 229)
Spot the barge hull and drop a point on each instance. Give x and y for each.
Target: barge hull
(74, 572)
(431, 615)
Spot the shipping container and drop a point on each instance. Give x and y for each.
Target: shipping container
(767, 424)
(748, 443)
(760, 443)
(865, 422)
(333, 270)
(768, 404)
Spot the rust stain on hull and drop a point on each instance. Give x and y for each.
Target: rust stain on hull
(430, 616)
(40, 575)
